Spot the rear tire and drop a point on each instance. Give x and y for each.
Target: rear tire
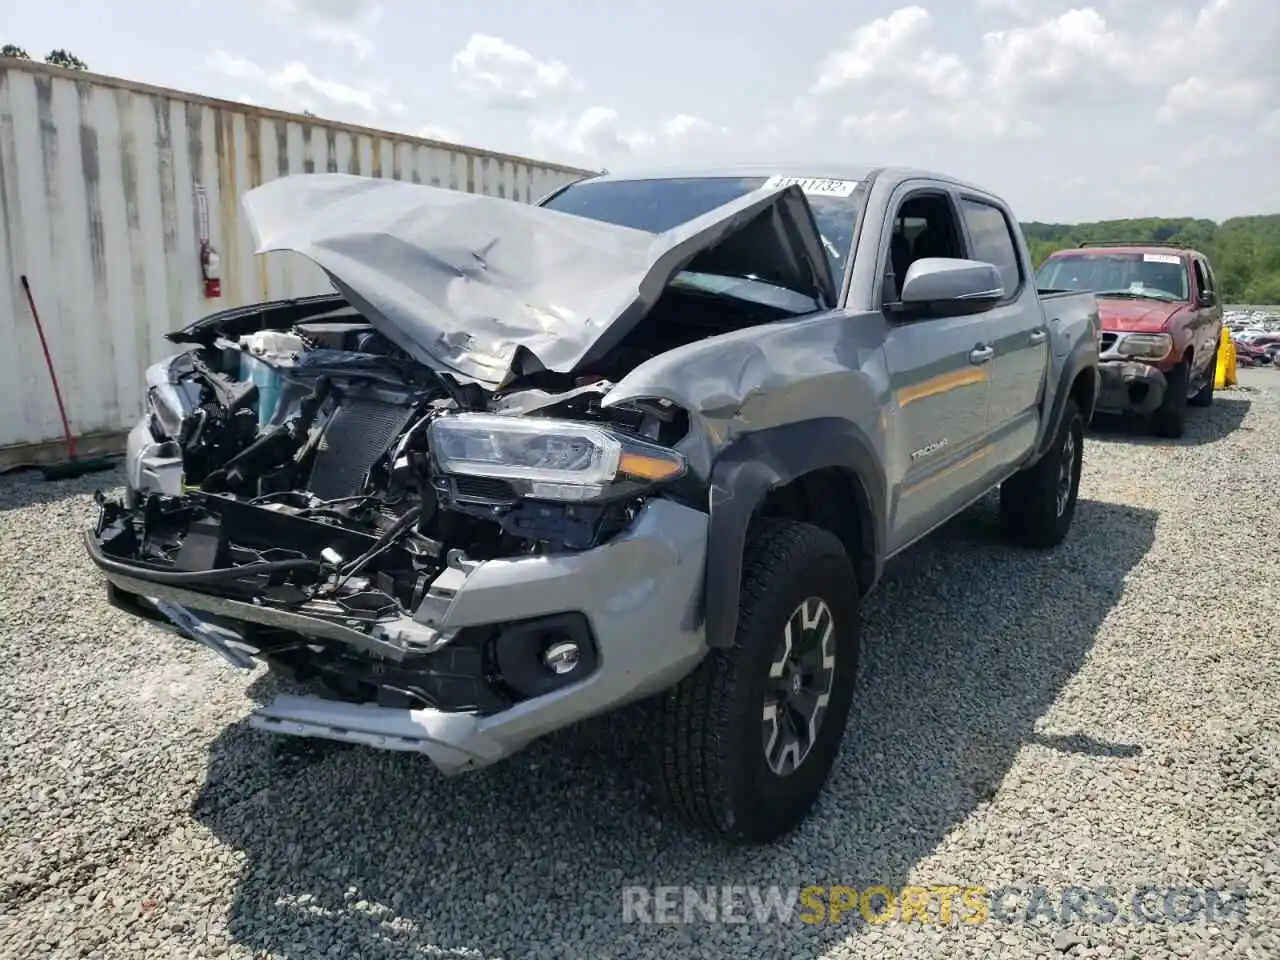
(740, 753)
(1038, 504)
(1170, 418)
(1204, 397)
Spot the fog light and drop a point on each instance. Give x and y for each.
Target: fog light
(561, 657)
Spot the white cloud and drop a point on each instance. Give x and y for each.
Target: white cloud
(1209, 150)
(1198, 96)
(966, 122)
(1022, 9)
(878, 125)
(684, 125)
(1229, 35)
(1043, 58)
(348, 24)
(1231, 46)
(597, 136)
(237, 67)
(1150, 173)
(897, 79)
(894, 48)
(505, 75)
(303, 87)
(432, 132)
(1057, 104)
(1228, 44)
(295, 87)
(785, 124)
(900, 82)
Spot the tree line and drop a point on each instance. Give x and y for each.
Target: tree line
(56, 58)
(1244, 251)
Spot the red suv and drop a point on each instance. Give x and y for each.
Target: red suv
(1161, 322)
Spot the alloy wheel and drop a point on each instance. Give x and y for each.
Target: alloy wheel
(1066, 471)
(799, 685)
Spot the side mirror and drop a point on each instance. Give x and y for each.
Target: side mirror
(1206, 298)
(947, 287)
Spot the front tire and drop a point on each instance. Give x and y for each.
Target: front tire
(749, 738)
(1170, 419)
(1204, 397)
(1038, 504)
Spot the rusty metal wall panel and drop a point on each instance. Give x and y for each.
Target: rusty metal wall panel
(98, 208)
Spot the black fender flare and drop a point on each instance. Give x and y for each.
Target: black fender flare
(745, 473)
(1083, 357)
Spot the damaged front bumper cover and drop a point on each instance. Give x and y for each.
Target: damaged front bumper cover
(639, 593)
(1129, 386)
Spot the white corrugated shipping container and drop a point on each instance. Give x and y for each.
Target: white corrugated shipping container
(102, 187)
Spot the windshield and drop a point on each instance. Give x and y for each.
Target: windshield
(658, 205)
(1152, 276)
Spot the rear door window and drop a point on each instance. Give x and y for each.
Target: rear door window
(991, 240)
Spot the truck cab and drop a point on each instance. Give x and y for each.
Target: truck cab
(1161, 325)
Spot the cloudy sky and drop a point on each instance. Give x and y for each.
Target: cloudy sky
(1072, 111)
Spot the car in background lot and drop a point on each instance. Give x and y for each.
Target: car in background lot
(655, 436)
(1265, 340)
(1161, 325)
(1250, 355)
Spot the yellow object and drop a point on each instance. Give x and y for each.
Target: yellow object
(649, 468)
(1225, 375)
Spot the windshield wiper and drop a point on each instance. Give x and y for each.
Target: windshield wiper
(1133, 295)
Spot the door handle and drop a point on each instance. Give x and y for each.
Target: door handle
(1037, 337)
(981, 354)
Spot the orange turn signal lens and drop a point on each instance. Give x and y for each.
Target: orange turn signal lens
(649, 468)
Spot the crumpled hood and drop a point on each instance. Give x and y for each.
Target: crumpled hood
(1120, 315)
(461, 281)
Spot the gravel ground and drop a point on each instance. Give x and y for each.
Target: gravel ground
(1108, 715)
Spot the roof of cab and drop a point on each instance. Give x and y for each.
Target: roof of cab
(822, 169)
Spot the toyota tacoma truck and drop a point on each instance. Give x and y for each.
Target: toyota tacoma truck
(650, 439)
(1161, 325)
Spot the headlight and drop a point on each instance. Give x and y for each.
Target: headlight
(549, 459)
(167, 402)
(1145, 346)
(165, 409)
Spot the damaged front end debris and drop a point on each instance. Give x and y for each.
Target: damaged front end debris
(440, 532)
(294, 550)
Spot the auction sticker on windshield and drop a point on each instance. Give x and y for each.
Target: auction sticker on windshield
(1161, 258)
(814, 186)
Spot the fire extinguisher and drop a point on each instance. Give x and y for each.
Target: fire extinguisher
(210, 264)
(210, 269)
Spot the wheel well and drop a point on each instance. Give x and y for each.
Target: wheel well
(835, 499)
(1084, 391)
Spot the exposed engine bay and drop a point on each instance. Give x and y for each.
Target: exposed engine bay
(305, 468)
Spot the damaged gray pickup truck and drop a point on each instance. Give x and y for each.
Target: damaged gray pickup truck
(652, 438)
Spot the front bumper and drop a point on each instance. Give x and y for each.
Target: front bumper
(640, 594)
(1129, 386)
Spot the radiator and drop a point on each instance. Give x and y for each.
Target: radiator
(357, 435)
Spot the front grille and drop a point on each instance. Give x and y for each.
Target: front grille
(358, 433)
(1107, 341)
